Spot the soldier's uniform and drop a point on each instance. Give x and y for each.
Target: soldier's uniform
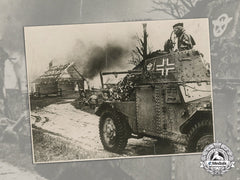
(185, 41)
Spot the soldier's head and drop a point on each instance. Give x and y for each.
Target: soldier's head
(178, 29)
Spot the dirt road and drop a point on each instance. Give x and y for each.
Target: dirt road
(79, 130)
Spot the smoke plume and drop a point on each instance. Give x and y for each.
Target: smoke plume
(104, 58)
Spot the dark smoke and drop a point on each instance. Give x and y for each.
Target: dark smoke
(104, 58)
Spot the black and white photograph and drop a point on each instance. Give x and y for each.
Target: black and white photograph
(119, 90)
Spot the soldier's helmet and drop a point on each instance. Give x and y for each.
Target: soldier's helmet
(177, 25)
(178, 28)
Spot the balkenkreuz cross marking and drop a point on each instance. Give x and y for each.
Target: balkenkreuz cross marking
(165, 67)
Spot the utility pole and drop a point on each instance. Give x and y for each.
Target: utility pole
(142, 49)
(144, 43)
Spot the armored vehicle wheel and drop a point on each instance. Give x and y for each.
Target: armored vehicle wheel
(113, 132)
(200, 136)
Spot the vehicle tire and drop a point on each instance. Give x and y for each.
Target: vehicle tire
(113, 132)
(199, 136)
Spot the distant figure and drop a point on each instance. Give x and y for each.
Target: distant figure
(2, 109)
(3, 58)
(105, 96)
(185, 41)
(93, 101)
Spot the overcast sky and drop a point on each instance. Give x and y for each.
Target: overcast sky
(44, 43)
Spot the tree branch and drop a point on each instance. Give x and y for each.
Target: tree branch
(190, 2)
(186, 5)
(139, 51)
(176, 8)
(165, 11)
(170, 7)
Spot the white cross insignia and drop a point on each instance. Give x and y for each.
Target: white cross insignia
(165, 67)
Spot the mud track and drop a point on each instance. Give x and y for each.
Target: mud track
(61, 132)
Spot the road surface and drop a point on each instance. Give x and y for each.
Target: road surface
(69, 125)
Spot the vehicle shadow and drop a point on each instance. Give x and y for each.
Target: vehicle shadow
(150, 147)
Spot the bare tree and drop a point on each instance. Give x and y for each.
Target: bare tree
(175, 8)
(135, 58)
(141, 50)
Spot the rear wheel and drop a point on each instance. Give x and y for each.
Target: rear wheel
(200, 135)
(113, 132)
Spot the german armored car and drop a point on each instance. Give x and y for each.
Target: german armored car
(172, 101)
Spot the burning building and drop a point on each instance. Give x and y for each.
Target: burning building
(59, 80)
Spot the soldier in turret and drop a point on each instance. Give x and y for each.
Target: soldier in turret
(184, 41)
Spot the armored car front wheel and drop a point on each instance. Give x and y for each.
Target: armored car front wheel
(200, 135)
(113, 132)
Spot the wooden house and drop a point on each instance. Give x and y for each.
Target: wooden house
(59, 80)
